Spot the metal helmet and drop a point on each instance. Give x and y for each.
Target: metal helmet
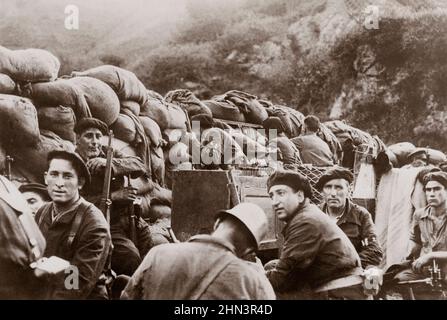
(253, 218)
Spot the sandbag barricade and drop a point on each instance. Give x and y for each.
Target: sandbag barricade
(155, 109)
(7, 85)
(60, 120)
(125, 83)
(186, 100)
(29, 65)
(88, 97)
(132, 106)
(18, 121)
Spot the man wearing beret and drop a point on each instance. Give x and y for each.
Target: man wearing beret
(428, 235)
(74, 229)
(355, 221)
(126, 255)
(316, 254)
(35, 194)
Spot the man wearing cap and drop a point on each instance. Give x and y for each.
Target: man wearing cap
(126, 255)
(316, 254)
(35, 194)
(428, 235)
(288, 153)
(355, 221)
(418, 158)
(74, 229)
(208, 267)
(312, 148)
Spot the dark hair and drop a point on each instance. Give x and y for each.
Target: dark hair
(312, 123)
(438, 176)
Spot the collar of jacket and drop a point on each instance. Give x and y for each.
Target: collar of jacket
(67, 216)
(348, 213)
(298, 211)
(205, 238)
(428, 213)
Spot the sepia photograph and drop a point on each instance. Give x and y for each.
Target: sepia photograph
(238, 151)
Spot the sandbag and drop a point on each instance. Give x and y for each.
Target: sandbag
(60, 120)
(157, 165)
(435, 157)
(177, 117)
(177, 154)
(152, 130)
(29, 65)
(7, 85)
(18, 121)
(133, 106)
(224, 110)
(160, 195)
(173, 135)
(402, 150)
(88, 97)
(292, 123)
(358, 137)
(159, 211)
(125, 83)
(186, 100)
(119, 145)
(248, 104)
(332, 141)
(124, 128)
(155, 109)
(35, 159)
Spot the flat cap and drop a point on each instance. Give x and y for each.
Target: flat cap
(86, 123)
(78, 164)
(35, 187)
(292, 179)
(438, 176)
(336, 172)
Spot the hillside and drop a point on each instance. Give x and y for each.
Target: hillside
(315, 56)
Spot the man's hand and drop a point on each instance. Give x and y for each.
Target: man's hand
(420, 262)
(125, 194)
(96, 165)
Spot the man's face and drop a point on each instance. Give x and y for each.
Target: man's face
(34, 200)
(335, 192)
(88, 143)
(419, 160)
(285, 201)
(436, 193)
(63, 182)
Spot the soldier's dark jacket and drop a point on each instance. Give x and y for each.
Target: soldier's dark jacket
(356, 222)
(89, 251)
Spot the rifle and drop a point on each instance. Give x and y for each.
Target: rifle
(132, 218)
(9, 160)
(105, 203)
